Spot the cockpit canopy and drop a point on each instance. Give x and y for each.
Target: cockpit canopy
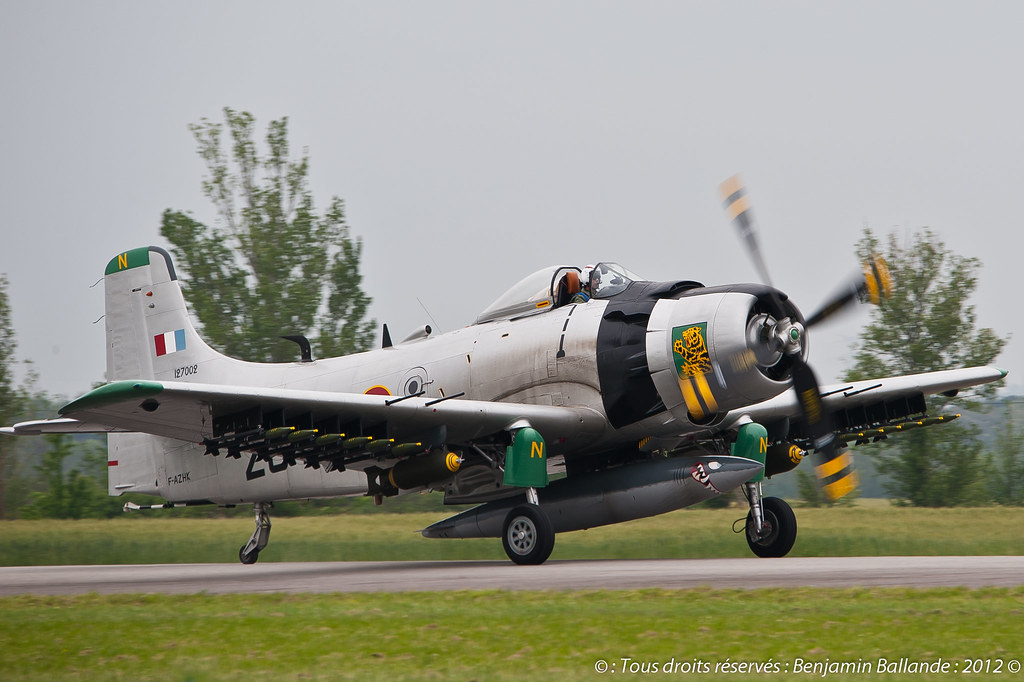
(610, 279)
(555, 286)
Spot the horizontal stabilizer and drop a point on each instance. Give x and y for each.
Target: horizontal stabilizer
(44, 426)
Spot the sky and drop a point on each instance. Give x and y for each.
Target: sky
(476, 142)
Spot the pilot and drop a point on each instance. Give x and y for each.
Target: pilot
(580, 296)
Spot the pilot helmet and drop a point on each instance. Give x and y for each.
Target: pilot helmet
(585, 276)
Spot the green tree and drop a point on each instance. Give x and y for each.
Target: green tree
(270, 265)
(21, 453)
(11, 396)
(809, 490)
(55, 502)
(927, 325)
(71, 493)
(1006, 462)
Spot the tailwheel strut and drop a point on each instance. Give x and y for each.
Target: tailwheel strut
(250, 552)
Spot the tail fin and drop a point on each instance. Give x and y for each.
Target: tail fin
(149, 333)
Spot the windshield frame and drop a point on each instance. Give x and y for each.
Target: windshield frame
(612, 279)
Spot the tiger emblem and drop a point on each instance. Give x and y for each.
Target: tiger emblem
(690, 350)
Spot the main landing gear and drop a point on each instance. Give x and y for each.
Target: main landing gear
(527, 535)
(250, 551)
(771, 524)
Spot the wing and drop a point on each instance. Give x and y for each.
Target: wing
(227, 416)
(863, 404)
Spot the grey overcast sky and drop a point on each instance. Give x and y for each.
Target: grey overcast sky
(474, 142)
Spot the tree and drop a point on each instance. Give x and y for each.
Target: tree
(269, 266)
(18, 402)
(55, 503)
(11, 396)
(809, 489)
(1006, 462)
(71, 493)
(928, 325)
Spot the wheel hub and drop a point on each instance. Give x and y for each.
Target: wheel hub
(767, 531)
(522, 536)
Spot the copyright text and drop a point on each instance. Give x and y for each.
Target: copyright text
(820, 668)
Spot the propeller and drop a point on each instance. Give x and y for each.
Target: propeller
(834, 470)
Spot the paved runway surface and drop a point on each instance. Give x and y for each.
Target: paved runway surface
(402, 576)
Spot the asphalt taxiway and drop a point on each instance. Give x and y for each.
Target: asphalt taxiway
(411, 576)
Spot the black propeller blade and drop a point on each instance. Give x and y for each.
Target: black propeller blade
(872, 287)
(834, 470)
(737, 207)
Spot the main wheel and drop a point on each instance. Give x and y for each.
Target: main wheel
(527, 535)
(780, 529)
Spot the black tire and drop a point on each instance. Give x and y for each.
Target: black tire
(527, 535)
(781, 535)
(248, 559)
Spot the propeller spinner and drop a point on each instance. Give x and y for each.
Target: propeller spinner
(780, 335)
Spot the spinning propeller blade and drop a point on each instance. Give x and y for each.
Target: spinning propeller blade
(737, 207)
(874, 285)
(834, 470)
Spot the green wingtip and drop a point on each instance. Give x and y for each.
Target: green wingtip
(116, 392)
(1002, 372)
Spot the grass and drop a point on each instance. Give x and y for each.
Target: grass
(500, 635)
(494, 635)
(863, 530)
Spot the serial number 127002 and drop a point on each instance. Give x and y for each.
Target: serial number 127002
(186, 371)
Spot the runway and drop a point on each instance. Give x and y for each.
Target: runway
(412, 576)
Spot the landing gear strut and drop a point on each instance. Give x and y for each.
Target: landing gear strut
(250, 551)
(771, 524)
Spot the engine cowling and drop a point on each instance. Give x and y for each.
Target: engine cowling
(721, 349)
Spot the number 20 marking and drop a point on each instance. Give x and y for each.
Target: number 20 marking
(252, 473)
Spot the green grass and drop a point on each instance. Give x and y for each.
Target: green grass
(503, 635)
(867, 529)
(498, 635)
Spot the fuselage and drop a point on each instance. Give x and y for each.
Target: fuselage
(653, 359)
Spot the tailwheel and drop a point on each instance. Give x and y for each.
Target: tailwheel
(527, 535)
(250, 551)
(778, 529)
(248, 558)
